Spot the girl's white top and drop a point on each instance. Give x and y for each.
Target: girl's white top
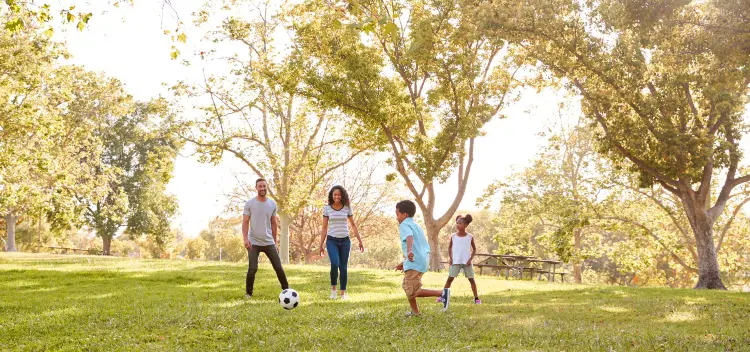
(461, 248)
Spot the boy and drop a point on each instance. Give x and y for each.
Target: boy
(416, 253)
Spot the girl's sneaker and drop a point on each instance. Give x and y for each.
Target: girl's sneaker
(333, 295)
(477, 301)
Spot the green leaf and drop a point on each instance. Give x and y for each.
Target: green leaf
(174, 54)
(336, 24)
(81, 26)
(368, 28)
(71, 17)
(392, 30)
(49, 32)
(182, 38)
(14, 25)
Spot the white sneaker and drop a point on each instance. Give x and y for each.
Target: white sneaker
(333, 295)
(344, 297)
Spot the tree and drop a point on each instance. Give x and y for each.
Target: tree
(572, 203)
(419, 78)
(559, 195)
(139, 148)
(45, 141)
(665, 82)
(255, 114)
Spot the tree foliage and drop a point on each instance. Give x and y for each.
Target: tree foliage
(665, 82)
(420, 79)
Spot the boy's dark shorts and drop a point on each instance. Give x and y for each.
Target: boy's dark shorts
(412, 283)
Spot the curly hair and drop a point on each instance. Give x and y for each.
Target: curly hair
(344, 195)
(466, 218)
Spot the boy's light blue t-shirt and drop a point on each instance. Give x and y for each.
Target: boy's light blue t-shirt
(420, 248)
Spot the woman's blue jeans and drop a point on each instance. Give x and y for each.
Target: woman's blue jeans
(338, 253)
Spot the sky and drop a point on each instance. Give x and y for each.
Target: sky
(128, 43)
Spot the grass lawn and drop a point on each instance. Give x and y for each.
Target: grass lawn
(76, 303)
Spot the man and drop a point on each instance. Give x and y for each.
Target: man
(259, 230)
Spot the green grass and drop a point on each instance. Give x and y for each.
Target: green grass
(92, 303)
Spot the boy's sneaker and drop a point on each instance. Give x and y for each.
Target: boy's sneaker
(333, 295)
(477, 301)
(411, 314)
(446, 298)
(439, 299)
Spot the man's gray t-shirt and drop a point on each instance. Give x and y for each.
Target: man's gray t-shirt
(260, 214)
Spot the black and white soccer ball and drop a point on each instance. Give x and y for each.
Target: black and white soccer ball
(289, 299)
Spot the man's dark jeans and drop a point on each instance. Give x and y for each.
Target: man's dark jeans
(273, 256)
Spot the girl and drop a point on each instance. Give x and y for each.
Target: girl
(461, 251)
(335, 233)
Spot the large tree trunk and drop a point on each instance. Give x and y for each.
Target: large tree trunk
(708, 264)
(10, 228)
(433, 238)
(577, 265)
(284, 238)
(106, 244)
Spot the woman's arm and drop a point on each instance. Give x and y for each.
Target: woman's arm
(356, 233)
(323, 233)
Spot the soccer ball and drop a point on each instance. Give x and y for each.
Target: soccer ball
(289, 299)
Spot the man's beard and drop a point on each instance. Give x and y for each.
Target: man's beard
(262, 193)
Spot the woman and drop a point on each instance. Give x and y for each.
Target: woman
(335, 233)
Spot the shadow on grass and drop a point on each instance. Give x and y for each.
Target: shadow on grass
(192, 305)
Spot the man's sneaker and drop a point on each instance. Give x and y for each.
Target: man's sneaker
(446, 298)
(344, 297)
(333, 295)
(248, 296)
(477, 301)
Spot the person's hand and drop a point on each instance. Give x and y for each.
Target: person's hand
(361, 247)
(248, 245)
(411, 256)
(322, 250)
(468, 262)
(400, 267)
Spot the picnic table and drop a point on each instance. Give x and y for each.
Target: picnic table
(547, 267)
(65, 250)
(511, 263)
(519, 264)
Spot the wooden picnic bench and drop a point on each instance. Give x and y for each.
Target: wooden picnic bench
(74, 250)
(549, 271)
(519, 265)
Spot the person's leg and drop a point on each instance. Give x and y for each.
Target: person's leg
(453, 271)
(252, 268)
(469, 272)
(412, 284)
(273, 257)
(413, 305)
(333, 256)
(474, 288)
(429, 293)
(344, 247)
